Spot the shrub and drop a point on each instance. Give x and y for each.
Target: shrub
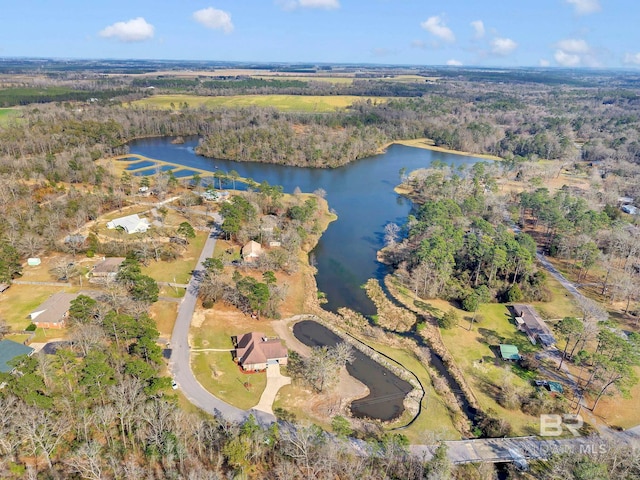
(514, 294)
(471, 302)
(31, 328)
(528, 361)
(448, 320)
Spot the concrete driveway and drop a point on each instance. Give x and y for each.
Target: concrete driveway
(275, 381)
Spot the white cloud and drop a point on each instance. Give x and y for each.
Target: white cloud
(566, 59)
(322, 4)
(134, 30)
(544, 62)
(436, 27)
(418, 44)
(454, 63)
(573, 45)
(478, 27)
(503, 46)
(214, 19)
(632, 58)
(585, 7)
(573, 52)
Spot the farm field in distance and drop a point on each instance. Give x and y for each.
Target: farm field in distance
(298, 103)
(7, 114)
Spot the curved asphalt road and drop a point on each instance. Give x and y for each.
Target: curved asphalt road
(180, 363)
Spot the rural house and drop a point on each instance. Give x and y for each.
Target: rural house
(254, 351)
(130, 224)
(106, 269)
(54, 311)
(251, 251)
(10, 350)
(528, 321)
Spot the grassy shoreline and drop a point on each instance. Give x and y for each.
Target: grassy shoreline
(428, 144)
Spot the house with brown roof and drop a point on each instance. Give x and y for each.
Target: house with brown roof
(251, 251)
(107, 268)
(54, 311)
(528, 321)
(254, 351)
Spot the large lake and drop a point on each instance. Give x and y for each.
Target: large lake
(361, 193)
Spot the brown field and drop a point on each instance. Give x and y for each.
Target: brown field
(164, 314)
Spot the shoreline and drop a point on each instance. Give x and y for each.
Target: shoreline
(427, 144)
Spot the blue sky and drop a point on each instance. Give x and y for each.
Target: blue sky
(567, 33)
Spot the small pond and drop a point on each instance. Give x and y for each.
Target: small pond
(386, 389)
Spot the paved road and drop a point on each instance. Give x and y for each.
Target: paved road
(569, 286)
(180, 363)
(522, 449)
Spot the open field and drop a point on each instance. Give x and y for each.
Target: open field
(299, 103)
(178, 271)
(561, 304)
(618, 411)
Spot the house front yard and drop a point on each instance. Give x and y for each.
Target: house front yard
(216, 370)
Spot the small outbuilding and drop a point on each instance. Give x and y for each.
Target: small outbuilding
(555, 387)
(10, 350)
(509, 352)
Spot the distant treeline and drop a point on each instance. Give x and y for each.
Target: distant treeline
(10, 97)
(244, 83)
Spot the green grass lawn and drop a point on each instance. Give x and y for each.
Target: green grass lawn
(219, 374)
(178, 271)
(435, 416)
(8, 114)
(299, 103)
(166, 291)
(476, 354)
(561, 304)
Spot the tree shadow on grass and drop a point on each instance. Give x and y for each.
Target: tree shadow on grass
(490, 337)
